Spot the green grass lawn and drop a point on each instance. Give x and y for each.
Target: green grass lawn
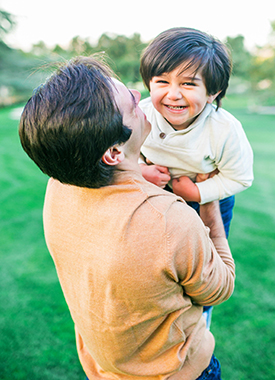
(244, 326)
(37, 335)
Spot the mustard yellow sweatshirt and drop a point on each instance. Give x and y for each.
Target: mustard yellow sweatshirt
(136, 264)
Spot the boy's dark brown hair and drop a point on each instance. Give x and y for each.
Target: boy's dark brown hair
(189, 48)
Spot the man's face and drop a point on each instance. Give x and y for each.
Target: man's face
(133, 117)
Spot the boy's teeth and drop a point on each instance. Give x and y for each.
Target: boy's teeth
(176, 107)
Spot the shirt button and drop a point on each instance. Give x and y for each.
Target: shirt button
(162, 135)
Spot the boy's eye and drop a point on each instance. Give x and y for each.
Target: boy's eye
(161, 81)
(189, 84)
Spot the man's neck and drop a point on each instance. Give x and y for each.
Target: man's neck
(128, 164)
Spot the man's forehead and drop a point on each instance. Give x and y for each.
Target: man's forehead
(124, 97)
(115, 81)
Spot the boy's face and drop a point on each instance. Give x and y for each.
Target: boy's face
(180, 97)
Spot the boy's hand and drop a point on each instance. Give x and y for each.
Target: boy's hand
(159, 175)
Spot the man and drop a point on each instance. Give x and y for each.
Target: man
(135, 263)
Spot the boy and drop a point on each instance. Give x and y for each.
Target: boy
(201, 147)
(199, 150)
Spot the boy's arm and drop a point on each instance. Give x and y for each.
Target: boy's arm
(234, 159)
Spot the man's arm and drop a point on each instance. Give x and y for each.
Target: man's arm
(211, 216)
(203, 261)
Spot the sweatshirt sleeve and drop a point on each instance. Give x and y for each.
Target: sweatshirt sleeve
(203, 267)
(234, 160)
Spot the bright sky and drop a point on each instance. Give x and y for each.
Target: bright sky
(58, 21)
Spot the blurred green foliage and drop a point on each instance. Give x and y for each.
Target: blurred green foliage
(20, 71)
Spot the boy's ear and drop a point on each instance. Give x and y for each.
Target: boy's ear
(211, 98)
(113, 156)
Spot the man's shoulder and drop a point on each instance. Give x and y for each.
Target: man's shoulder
(178, 216)
(160, 200)
(128, 196)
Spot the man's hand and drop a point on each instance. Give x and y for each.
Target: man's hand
(159, 175)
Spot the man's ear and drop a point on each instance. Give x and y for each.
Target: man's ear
(211, 98)
(113, 156)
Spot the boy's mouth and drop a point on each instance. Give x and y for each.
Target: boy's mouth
(176, 107)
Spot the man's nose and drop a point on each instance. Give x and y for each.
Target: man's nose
(137, 95)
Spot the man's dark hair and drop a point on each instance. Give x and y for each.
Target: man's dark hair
(70, 122)
(189, 48)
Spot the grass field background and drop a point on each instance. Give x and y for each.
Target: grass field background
(37, 336)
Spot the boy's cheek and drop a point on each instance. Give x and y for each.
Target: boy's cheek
(155, 102)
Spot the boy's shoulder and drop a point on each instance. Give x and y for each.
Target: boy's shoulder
(145, 103)
(222, 116)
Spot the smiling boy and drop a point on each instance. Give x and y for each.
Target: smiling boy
(197, 148)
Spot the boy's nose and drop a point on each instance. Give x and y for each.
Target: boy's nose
(174, 93)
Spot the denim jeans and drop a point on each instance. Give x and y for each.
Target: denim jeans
(212, 372)
(207, 313)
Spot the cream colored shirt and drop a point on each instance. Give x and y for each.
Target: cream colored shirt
(215, 139)
(136, 264)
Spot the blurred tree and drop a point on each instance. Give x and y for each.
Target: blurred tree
(124, 53)
(40, 49)
(242, 59)
(7, 23)
(59, 50)
(21, 71)
(18, 70)
(76, 46)
(114, 46)
(263, 70)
